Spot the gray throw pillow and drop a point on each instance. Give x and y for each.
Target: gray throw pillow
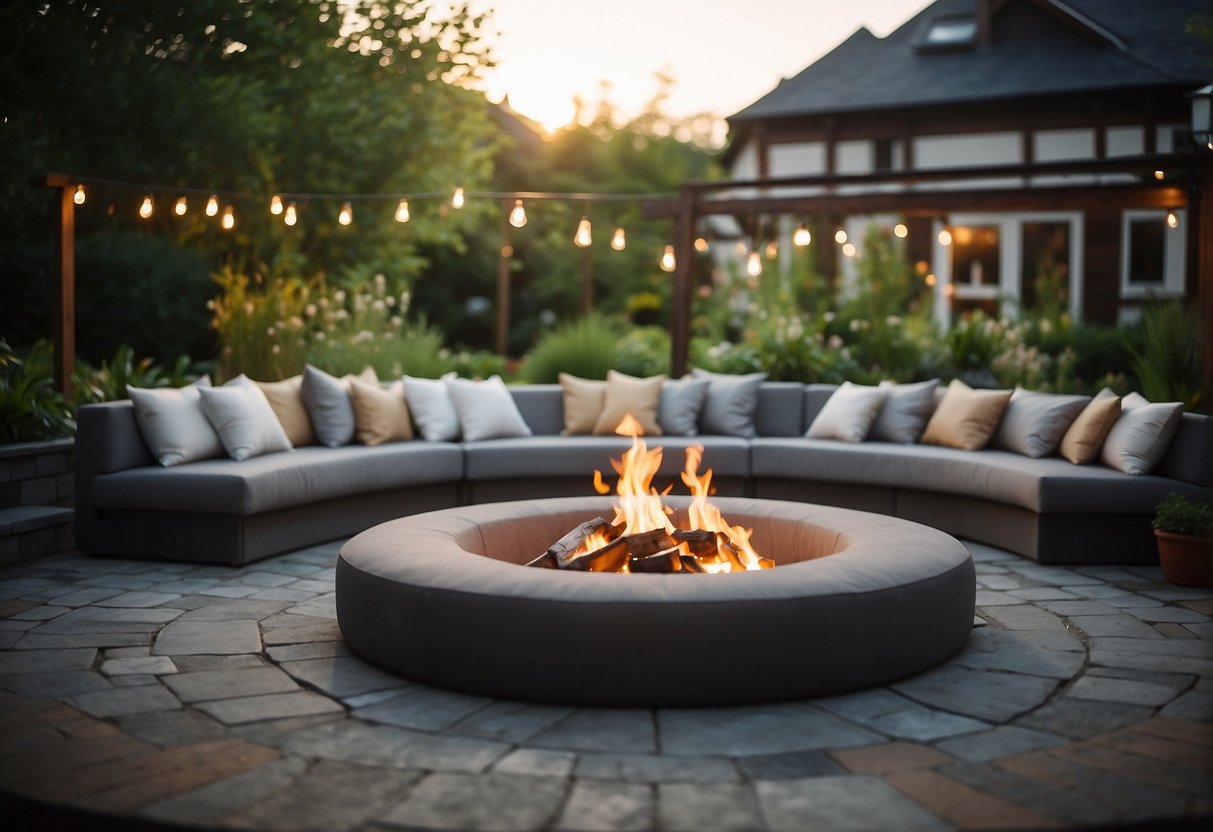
(431, 407)
(681, 403)
(730, 404)
(1140, 438)
(173, 424)
(1034, 423)
(327, 400)
(905, 411)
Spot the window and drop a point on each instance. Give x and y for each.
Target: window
(975, 260)
(948, 33)
(1152, 255)
(1045, 267)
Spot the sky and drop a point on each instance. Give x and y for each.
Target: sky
(723, 54)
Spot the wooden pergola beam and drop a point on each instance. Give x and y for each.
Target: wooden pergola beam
(63, 293)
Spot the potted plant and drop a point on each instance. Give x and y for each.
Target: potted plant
(1184, 530)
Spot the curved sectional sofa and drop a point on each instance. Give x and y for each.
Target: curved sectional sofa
(227, 511)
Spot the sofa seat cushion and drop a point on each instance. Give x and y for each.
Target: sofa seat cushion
(1047, 486)
(279, 480)
(574, 456)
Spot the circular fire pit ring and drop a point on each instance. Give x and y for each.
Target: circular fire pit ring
(856, 600)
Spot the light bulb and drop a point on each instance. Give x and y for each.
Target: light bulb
(79, 196)
(900, 230)
(180, 207)
(619, 240)
(275, 205)
(229, 219)
(212, 206)
(291, 216)
(701, 244)
(1172, 219)
(582, 238)
(518, 215)
(801, 236)
(402, 211)
(945, 237)
(668, 263)
(1160, 175)
(347, 214)
(145, 210)
(753, 264)
(848, 249)
(840, 236)
(929, 280)
(457, 198)
(772, 250)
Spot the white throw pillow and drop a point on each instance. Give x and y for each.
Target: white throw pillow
(241, 415)
(431, 408)
(1140, 438)
(173, 424)
(486, 410)
(905, 411)
(848, 413)
(1034, 423)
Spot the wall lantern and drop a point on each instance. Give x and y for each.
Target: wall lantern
(1202, 116)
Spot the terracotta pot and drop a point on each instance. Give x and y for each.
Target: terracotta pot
(1186, 560)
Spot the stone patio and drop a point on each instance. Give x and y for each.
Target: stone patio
(217, 697)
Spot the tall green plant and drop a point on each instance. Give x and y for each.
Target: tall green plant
(1168, 364)
(586, 348)
(30, 407)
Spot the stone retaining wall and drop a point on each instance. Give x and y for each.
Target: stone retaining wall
(37, 493)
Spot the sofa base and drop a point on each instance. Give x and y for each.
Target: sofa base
(1046, 538)
(502, 491)
(199, 537)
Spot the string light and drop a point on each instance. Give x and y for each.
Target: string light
(945, 237)
(180, 207)
(275, 205)
(402, 211)
(753, 264)
(701, 244)
(1172, 219)
(619, 240)
(79, 196)
(772, 250)
(848, 249)
(457, 198)
(929, 280)
(229, 218)
(583, 238)
(518, 214)
(347, 214)
(840, 236)
(668, 263)
(801, 236)
(212, 206)
(900, 230)
(1160, 175)
(291, 216)
(145, 210)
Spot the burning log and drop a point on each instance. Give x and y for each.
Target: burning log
(561, 553)
(699, 542)
(610, 558)
(667, 560)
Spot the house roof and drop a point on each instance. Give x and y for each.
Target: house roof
(1036, 47)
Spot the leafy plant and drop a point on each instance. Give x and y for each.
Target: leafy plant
(109, 381)
(1178, 515)
(586, 348)
(30, 407)
(1168, 365)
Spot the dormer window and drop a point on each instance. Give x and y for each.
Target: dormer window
(947, 33)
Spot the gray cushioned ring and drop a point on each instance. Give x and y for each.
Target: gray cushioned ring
(857, 600)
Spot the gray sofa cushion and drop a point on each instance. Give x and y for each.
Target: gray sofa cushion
(573, 456)
(1042, 485)
(279, 480)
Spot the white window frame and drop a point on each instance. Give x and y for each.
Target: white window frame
(1174, 258)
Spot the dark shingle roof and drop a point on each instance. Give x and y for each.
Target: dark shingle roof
(867, 73)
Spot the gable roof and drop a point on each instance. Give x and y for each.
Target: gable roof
(1036, 47)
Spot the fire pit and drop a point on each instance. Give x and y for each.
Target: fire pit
(856, 600)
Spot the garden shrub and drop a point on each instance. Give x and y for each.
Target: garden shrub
(586, 348)
(1168, 364)
(30, 407)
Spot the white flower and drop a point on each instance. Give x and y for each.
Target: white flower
(269, 332)
(828, 317)
(296, 322)
(248, 307)
(310, 310)
(320, 336)
(210, 304)
(339, 296)
(835, 342)
(378, 305)
(276, 349)
(380, 284)
(893, 320)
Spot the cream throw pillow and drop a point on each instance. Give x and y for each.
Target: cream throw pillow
(848, 413)
(1084, 440)
(380, 415)
(583, 398)
(173, 424)
(243, 418)
(485, 409)
(431, 408)
(286, 398)
(627, 394)
(1141, 435)
(966, 418)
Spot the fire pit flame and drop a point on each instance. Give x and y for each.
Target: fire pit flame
(642, 537)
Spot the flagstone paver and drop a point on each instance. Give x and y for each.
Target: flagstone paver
(224, 697)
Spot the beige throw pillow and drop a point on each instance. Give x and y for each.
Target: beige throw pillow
(286, 400)
(1086, 436)
(583, 399)
(380, 415)
(627, 394)
(966, 418)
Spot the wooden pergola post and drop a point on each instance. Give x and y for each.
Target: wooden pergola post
(680, 302)
(503, 282)
(1202, 208)
(587, 281)
(63, 315)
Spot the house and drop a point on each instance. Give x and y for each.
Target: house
(1012, 137)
